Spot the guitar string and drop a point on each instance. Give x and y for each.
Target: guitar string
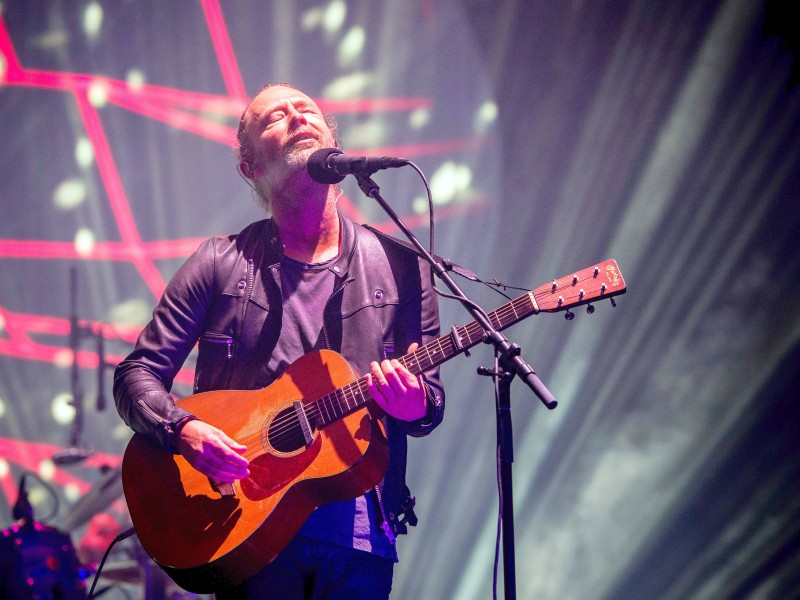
(287, 424)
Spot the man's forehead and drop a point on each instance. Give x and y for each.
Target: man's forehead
(276, 96)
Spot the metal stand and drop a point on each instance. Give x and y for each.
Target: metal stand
(76, 451)
(510, 362)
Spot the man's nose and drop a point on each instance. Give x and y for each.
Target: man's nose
(295, 116)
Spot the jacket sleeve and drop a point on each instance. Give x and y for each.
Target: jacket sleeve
(143, 380)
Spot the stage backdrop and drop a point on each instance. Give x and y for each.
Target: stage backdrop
(663, 134)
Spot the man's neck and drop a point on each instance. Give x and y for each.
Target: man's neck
(308, 225)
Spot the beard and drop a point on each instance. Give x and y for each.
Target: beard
(297, 158)
(290, 166)
(286, 171)
(293, 162)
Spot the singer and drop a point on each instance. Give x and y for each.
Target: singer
(304, 279)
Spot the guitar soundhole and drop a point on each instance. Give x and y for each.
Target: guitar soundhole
(285, 433)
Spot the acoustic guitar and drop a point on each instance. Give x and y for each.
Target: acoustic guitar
(313, 436)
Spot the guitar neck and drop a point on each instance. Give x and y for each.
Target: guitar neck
(598, 282)
(463, 338)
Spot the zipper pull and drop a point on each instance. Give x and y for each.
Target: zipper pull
(385, 525)
(387, 529)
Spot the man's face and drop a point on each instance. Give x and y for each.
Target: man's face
(284, 126)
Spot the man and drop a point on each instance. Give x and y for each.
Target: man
(306, 279)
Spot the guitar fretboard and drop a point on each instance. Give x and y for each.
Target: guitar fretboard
(349, 398)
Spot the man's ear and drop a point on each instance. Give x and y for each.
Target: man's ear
(248, 170)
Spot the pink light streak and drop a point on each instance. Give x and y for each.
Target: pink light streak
(181, 109)
(115, 251)
(20, 328)
(228, 65)
(30, 455)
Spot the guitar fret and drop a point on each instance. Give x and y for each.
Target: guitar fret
(419, 368)
(363, 392)
(351, 398)
(514, 309)
(428, 352)
(477, 329)
(321, 412)
(452, 346)
(326, 404)
(337, 394)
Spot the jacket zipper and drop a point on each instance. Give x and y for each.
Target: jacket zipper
(247, 293)
(385, 525)
(154, 416)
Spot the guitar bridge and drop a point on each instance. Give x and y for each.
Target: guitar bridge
(223, 489)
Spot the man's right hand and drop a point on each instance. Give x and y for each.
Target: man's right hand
(212, 452)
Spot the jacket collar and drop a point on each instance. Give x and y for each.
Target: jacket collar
(268, 232)
(261, 244)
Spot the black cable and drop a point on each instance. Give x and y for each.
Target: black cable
(51, 490)
(431, 226)
(124, 535)
(501, 499)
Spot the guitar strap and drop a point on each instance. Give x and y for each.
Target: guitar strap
(448, 264)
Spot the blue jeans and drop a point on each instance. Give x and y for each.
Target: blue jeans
(309, 569)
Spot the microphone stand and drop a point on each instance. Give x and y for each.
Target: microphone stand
(508, 357)
(77, 332)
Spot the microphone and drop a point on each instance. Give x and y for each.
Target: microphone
(330, 165)
(22, 508)
(70, 456)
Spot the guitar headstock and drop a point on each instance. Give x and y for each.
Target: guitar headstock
(601, 281)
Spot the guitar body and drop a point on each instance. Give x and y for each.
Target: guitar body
(204, 539)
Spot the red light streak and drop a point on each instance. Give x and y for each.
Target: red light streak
(30, 455)
(18, 341)
(229, 67)
(177, 108)
(179, 119)
(49, 250)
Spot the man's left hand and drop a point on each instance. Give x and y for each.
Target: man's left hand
(397, 391)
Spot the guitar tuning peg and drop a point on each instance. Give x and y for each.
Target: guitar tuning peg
(613, 302)
(589, 309)
(569, 315)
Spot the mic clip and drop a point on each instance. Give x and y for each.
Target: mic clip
(71, 456)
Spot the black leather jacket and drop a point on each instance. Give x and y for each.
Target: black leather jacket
(227, 297)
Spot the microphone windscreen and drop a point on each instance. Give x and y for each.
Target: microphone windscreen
(318, 168)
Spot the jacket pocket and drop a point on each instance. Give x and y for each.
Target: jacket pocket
(215, 351)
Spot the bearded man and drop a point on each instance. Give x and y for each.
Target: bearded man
(305, 279)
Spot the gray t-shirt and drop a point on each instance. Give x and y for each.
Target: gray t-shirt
(306, 288)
